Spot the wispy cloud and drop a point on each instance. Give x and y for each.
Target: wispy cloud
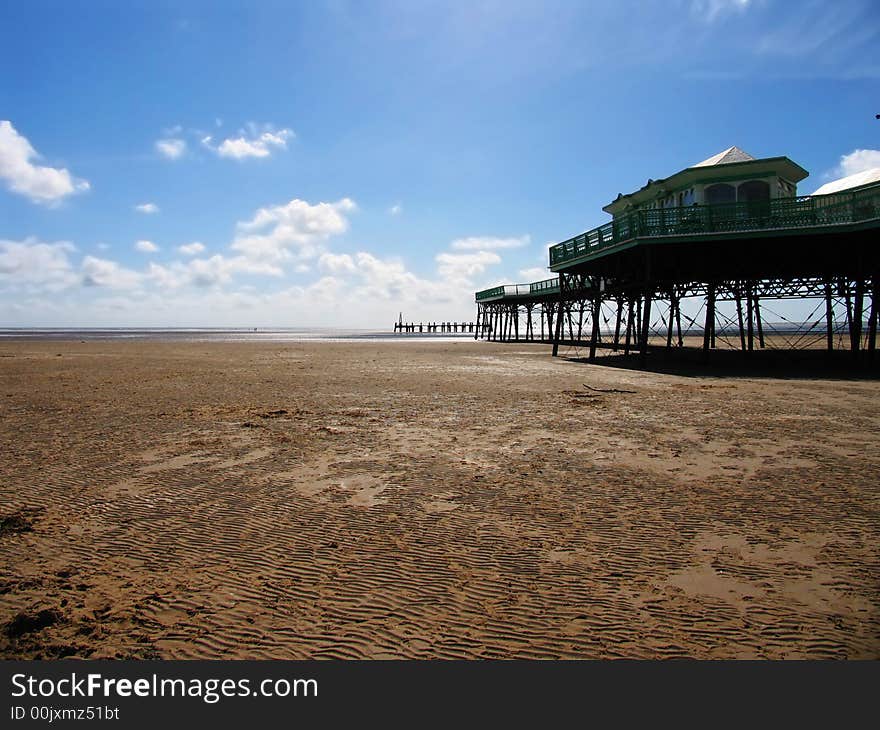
(465, 265)
(821, 40)
(536, 273)
(191, 249)
(171, 148)
(147, 208)
(711, 10)
(488, 243)
(146, 247)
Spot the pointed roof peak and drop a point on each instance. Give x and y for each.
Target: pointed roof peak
(725, 157)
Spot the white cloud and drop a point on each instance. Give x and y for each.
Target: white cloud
(33, 264)
(191, 249)
(171, 148)
(336, 264)
(395, 209)
(147, 208)
(488, 243)
(146, 247)
(386, 279)
(536, 273)
(253, 142)
(293, 231)
(354, 289)
(209, 272)
(166, 277)
(856, 161)
(39, 183)
(106, 273)
(464, 265)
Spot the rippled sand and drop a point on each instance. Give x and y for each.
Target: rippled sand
(451, 499)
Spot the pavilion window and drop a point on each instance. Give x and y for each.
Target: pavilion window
(756, 195)
(753, 191)
(720, 193)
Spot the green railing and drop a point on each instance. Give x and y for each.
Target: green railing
(547, 286)
(493, 293)
(803, 212)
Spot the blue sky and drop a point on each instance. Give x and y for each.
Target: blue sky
(334, 163)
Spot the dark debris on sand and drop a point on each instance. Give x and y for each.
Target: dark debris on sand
(20, 521)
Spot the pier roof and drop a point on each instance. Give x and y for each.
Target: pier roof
(732, 162)
(851, 182)
(726, 157)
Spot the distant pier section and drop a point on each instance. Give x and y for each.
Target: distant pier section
(446, 328)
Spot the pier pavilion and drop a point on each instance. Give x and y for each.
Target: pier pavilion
(729, 236)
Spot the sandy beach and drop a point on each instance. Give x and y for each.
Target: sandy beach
(428, 500)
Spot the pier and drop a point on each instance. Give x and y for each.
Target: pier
(714, 274)
(409, 328)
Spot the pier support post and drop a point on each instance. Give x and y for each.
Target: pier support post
(875, 313)
(616, 342)
(678, 320)
(638, 327)
(646, 328)
(849, 314)
(558, 333)
(857, 315)
(750, 334)
(580, 320)
(708, 335)
(594, 336)
(739, 316)
(646, 313)
(829, 317)
(758, 322)
(630, 306)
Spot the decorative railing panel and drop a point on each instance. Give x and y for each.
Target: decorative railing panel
(803, 212)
